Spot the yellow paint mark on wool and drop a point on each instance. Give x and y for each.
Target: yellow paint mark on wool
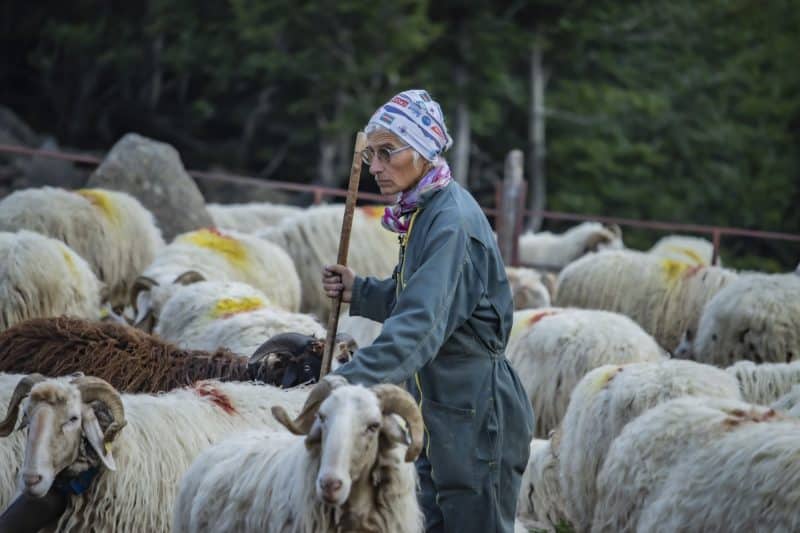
(69, 261)
(225, 245)
(102, 201)
(604, 378)
(673, 269)
(227, 307)
(688, 252)
(373, 211)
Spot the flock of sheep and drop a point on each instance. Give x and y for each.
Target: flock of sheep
(666, 391)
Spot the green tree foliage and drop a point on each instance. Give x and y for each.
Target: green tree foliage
(681, 111)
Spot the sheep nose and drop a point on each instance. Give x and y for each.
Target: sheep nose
(330, 485)
(31, 479)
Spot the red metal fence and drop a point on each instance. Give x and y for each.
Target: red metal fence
(320, 192)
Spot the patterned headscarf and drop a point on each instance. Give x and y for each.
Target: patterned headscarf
(418, 120)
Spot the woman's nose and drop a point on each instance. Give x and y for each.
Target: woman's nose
(375, 167)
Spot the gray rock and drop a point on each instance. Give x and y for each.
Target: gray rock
(152, 171)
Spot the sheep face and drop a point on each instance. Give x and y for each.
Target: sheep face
(148, 297)
(54, 414)
(64, 433)
(347, 428)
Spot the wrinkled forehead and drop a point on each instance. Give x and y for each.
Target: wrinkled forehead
(381, 137)
(355, 398)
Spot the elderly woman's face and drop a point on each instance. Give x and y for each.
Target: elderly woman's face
(400, 173)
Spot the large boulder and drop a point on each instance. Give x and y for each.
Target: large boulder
(152, 171)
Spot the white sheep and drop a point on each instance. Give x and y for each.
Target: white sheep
(140, 444)
(604, 401)
(250, 217)
(560, 346)
(213, 255)
(757, 318)
(528, 288)
(642, 456)
(746, 480)
(664, 296)
(685, 249)
(554, 251)
(765, 383)
(111, 230)
(540, 504)
(209, 314)
(312, 240)
(789, 403)
(12, 447)
(42, 277)
(346, 468)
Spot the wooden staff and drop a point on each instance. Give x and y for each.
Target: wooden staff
(344, 245)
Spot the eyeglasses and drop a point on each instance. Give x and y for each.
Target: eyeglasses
(384, 154)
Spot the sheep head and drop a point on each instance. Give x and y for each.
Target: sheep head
(62, 415)
(148, 296)
(348, 426)
(291, 359)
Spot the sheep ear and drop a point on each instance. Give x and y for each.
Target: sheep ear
(94, 434)
(395, 431)
(314, 436)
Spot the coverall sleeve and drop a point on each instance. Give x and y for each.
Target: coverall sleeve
(437, 298)
(372, 298)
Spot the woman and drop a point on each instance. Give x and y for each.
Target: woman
(446, 316)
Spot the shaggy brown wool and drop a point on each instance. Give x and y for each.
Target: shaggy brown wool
(129, 359)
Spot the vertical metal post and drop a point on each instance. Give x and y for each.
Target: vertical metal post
(715, 256)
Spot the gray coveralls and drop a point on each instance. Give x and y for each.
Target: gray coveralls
(446, 314)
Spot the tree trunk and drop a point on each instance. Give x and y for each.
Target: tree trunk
(156, 79)
(510, 205)
(462, 138)
(263, 107)
(536, 137)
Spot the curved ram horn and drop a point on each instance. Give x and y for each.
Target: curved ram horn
(142, 283)
(91, 389)
(395, 400)
(302, 424)
(20, 391)
(189, 277)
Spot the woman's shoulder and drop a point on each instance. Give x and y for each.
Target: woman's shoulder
(455, 208)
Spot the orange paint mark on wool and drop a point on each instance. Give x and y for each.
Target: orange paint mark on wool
(217, 397)
(212, 239)
(102, 201)
(524, 321)
(373, 211)
(536, 317)
(227, 307)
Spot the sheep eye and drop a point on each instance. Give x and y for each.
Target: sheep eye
(373, 426)
(321, 417)
(73, 418)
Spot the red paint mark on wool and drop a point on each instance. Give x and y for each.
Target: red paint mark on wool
(538, 316)
(219, 398)
(691, 271)
(218, 233)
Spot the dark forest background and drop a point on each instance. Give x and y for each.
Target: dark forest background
(679, 111)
